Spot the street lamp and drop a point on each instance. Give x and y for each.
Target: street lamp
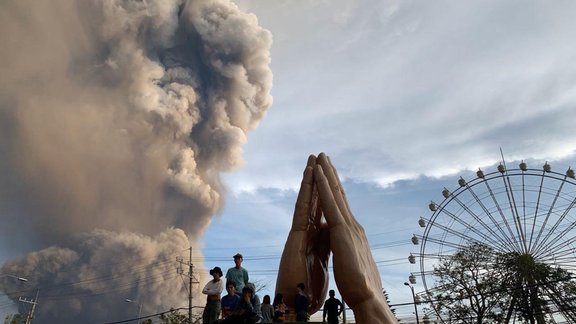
(414, 299)
(139, 306)
(34, 302)
(13, 276)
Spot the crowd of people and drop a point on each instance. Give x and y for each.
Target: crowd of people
(241, 304)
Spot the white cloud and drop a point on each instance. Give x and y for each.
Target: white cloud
(406, 96)
(402, 89)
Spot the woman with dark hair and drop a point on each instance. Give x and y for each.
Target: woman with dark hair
(280, 309)
(267, 310)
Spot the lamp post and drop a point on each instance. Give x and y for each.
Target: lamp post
(13, 276)
(414, 299)
(139, 306)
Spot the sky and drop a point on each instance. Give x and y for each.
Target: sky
(404, 96)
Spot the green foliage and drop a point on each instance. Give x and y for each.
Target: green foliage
(387, 297)
(174, 317)
(531, 285)
(466, 290)
(479, 285)
(14, 319)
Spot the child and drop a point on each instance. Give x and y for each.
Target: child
(229, 301)
(267, 310)
(280, 309)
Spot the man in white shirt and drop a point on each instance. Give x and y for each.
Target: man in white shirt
(213, 289)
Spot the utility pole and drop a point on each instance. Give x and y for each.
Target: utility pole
(191, 280)
(34, 302)
(190, 274)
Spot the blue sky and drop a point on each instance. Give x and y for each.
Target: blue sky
(404, 96)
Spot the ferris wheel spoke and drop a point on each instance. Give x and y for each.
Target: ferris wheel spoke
(536, 210)
(496, 240)
(552, 246)
(548, 217)
(567, 253)
(566, 244)
(458, 233)
(556, 225)
(514, 210)
(435, 256)
(558, 248)
(515, 242)
(444, 243)
(564, 305)
(526, 212)
(524, 204)
(489, 214)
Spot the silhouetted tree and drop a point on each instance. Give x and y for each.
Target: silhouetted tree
(14, 319)
(533, 285)
(173, 317)
(388, 302)
(466, 289)
(480, 285)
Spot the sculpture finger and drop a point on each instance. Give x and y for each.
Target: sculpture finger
(327, 200)
(348, 210)
(335, 185)
(303, 202)
(311, 160)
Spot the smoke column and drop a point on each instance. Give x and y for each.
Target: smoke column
(116, 118)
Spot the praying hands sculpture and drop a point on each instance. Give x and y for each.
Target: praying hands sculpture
(323, 223)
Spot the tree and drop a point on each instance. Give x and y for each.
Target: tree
(466, 290)
(480, 285)
(14, 319)
(260, 284)
(387, 297)
(532, 284)
(175, 317)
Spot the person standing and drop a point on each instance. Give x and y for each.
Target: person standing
(213, 289)
(230, 300)
(267, 310)
(301, 304)
(237, 274)
(280, 309)
(333, 308)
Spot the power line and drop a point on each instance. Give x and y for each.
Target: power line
(145, 317)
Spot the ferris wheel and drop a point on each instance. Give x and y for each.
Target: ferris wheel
(523, 210)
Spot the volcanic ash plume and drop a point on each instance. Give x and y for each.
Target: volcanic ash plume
(85, 285)
(116, 117)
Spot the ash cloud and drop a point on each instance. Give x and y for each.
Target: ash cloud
(116, 118)
(85, 284)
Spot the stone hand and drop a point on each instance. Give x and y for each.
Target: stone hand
(355, 271)
(307, 250)
(311, 240)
